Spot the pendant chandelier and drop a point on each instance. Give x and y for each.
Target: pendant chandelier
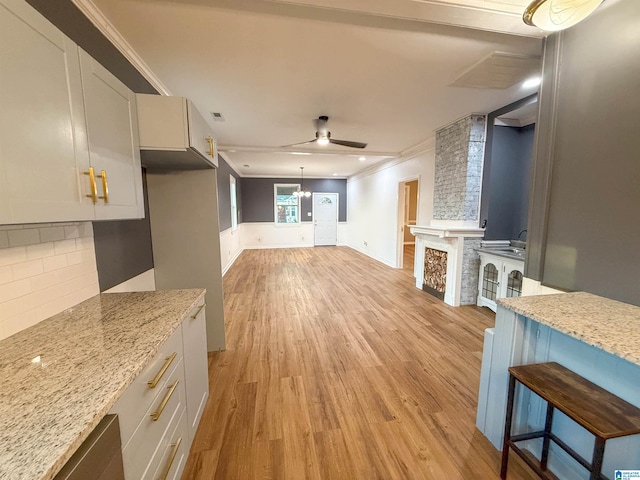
(301, 191)
(555, 15)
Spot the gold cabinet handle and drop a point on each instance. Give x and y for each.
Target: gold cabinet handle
(105, 186)
(211, 148)
(156, 415)
(172, 457)
(92, 182)
(199, 310)
(168, 361)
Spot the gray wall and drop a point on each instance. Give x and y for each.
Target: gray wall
(586, 192)
(123, 247)
(507, 194)
(257, 197)
(224, 194)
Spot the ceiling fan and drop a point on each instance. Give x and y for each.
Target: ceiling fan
(323, 136)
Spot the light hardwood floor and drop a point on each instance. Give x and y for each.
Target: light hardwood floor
(337, 367)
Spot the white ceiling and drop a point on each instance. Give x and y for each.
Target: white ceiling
(380, 69)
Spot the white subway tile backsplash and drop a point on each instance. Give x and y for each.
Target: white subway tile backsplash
(15, 289)
(71, 232)
(9, 256)
(85, 243)
(6, 275)
(64, 246)
(27, 269)
(52, 234)
(40, 250)
(28, 236)
(74, 258)
(54, 263)
(44, 269)
(86, 229)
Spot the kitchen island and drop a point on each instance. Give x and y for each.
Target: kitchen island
(596, 337)
(63, 375)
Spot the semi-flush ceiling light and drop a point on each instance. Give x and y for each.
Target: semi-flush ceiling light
(362, 159)
(301, 191)
(554, 15)
(323, 140)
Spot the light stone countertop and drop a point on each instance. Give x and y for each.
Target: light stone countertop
(601, 322)
(89, 354)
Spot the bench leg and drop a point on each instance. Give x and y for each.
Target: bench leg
(507, 427)
(598, 454)
(547, 432)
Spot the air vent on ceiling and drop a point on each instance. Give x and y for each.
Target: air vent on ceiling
(499, 70)
(217, 116)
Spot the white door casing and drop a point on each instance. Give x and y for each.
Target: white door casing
(325, 219)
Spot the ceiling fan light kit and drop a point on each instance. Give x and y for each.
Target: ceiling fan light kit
(323, 136)
(555, 15)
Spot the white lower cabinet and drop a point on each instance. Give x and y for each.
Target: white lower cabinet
(159, 412)
(196, 370)
(499, 277)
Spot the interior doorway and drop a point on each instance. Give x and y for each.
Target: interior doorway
(408, 192)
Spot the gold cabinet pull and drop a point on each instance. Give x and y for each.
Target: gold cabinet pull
(105, 186)
(211, 148)
(199, 310)
(172, 457)
(168, 361)
(156, 415)
(92, 182)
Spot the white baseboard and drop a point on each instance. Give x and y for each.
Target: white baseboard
(231, 262)
(372, 256)
(269, 247)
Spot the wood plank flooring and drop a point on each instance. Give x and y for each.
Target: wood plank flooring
(337, 367)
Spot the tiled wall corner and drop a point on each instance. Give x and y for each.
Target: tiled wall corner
(44, 269)
(470, 271)
(459, 160)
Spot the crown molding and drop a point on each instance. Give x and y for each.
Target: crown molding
(97, 18)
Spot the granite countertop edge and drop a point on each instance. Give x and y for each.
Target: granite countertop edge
(603, 323)
(137, 310)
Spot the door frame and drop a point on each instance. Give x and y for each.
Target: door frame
(401, 216)
(313, 213)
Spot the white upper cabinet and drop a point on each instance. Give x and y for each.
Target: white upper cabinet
(112, 131)
(43, 145)
(173, 134)
(56, 122)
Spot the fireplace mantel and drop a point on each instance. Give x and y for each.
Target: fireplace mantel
(450, 239)
(447, 232)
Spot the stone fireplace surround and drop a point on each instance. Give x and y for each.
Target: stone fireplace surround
(450, 239)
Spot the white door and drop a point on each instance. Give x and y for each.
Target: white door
(325, 219)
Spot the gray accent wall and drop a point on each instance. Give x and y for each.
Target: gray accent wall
(258, 201)
(586, 195)
(507, 194)
(123, 247)
(224, 193)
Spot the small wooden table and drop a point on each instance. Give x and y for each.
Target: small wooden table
(597, 410)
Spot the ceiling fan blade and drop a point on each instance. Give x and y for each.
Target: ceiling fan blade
(301, 143)
(347, 143)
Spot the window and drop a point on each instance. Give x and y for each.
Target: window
(234, 202)
(287, 206)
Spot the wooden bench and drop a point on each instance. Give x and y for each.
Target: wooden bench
(597, 410)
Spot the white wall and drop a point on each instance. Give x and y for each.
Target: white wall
(373, 204)
(231, 246)
(44, 269)
(257, 235)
